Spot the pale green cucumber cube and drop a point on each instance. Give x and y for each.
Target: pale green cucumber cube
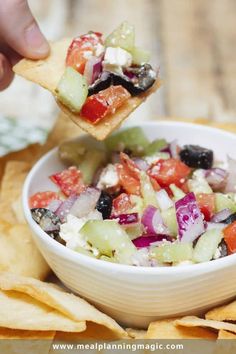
(147, 191)
(222, 201)
(155, 146)
(206, 245)
(173, 252)
(131, 138)
(110, 239)
(92, 160)
(140, 56)
(169, 217)
(72, 90)
(177, 192)
(123, 37)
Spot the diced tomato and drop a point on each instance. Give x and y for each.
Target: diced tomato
(155, 185)
(81, 49)
(169, 171)
(121, 204)
(206, 203)
(128, 174)
(185, 188)
(70, 181)
(42, 199)
(230, 237)
(105, 102)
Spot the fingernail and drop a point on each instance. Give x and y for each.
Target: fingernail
(36, 41)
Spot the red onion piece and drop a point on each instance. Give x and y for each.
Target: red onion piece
(54, 205)
(146, 241)
(171, 149)
(92, 69)
(213, 225)
(65, 207)
(221, 215)
(164, 201)
(217, 178)
(189, 218)
(141, 164)
(231, 180)
(86, 202)
(153, 222)
(126, 219)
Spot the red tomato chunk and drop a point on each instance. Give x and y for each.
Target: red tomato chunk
(206, 204)
(105, 102)
(69, 181)
(42, 199)
(230, 237)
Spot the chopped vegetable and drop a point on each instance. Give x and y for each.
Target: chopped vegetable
(189, 218)
(146, 241)
(140, 56)
(122, 204)
(217, 178)
(105, 102)
(206, 245)
(169, 218)
(86, 202)
(92, 160)
(164, 200)
(231, 180)
(127, 219)
(123, 37)
(110, 239)
(224, 202)
(153, 222)
(129, 175)
(173, 252)
(72, 90)
(147, 191)
(155, 146)
(65, 207)
(42, 199)
(69, 181)
(230, 218)
(230, 237)
(177, 192)
(206, 203)
(222, 216)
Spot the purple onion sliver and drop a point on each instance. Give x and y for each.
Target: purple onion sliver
(141, 164)
(173, 149)
(153, 222)
(216, 177)
(65, 207)
(127, 219)
(221, 215)
(231, 180)
(54, 205)
(86, 202)
(189, 218)
(146, 241)
(213, 225)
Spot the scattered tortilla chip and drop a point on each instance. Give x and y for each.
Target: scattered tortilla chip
(223, 313)
(226, 335)
(193, 321)
(8, 333)
(166, 329)
(48, 73)
(136, 333)
(11, 188)
(21, 311)
(18, 253)
(52, 295)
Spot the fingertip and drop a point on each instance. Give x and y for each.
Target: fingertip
(6, 73)
(36, 42)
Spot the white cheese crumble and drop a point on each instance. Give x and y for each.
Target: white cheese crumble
(70, 231)
(99, 49)
(108, 178)
(116, 59)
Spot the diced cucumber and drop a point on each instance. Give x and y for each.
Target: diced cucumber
(110, 239)
(131, 138)
(155, 146)
(173, 252)
(206, 245)
(72, 89)
(169, 217)
(147, 191)
(138, 204)
(134, 231)
(123, 37)
(222, 201)
(177, 192)
(200, 185)
(140, 56)
(71, 152)
(92, 160)
(84, 251)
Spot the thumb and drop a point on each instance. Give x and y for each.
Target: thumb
(21, 32)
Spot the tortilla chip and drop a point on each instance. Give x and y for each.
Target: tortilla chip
(226, 335)
(18, 253)
(11, 188)
(8, 333)
(166, 329)
(223, 313)
(136, 333)
(52, 295)
(20, 311)
(48, 72)
(193, 321)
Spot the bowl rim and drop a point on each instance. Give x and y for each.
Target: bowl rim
(74, 256)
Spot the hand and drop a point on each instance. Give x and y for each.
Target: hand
(20, 36)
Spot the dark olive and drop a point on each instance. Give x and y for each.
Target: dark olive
(196, 156)
(104, 204)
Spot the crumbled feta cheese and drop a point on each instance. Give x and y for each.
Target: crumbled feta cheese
(118, 56)
(99, 49)
(70, 231)
(109, 177)
(155, 158)
(141, 258)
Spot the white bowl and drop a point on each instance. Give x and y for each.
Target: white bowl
(135, 296)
